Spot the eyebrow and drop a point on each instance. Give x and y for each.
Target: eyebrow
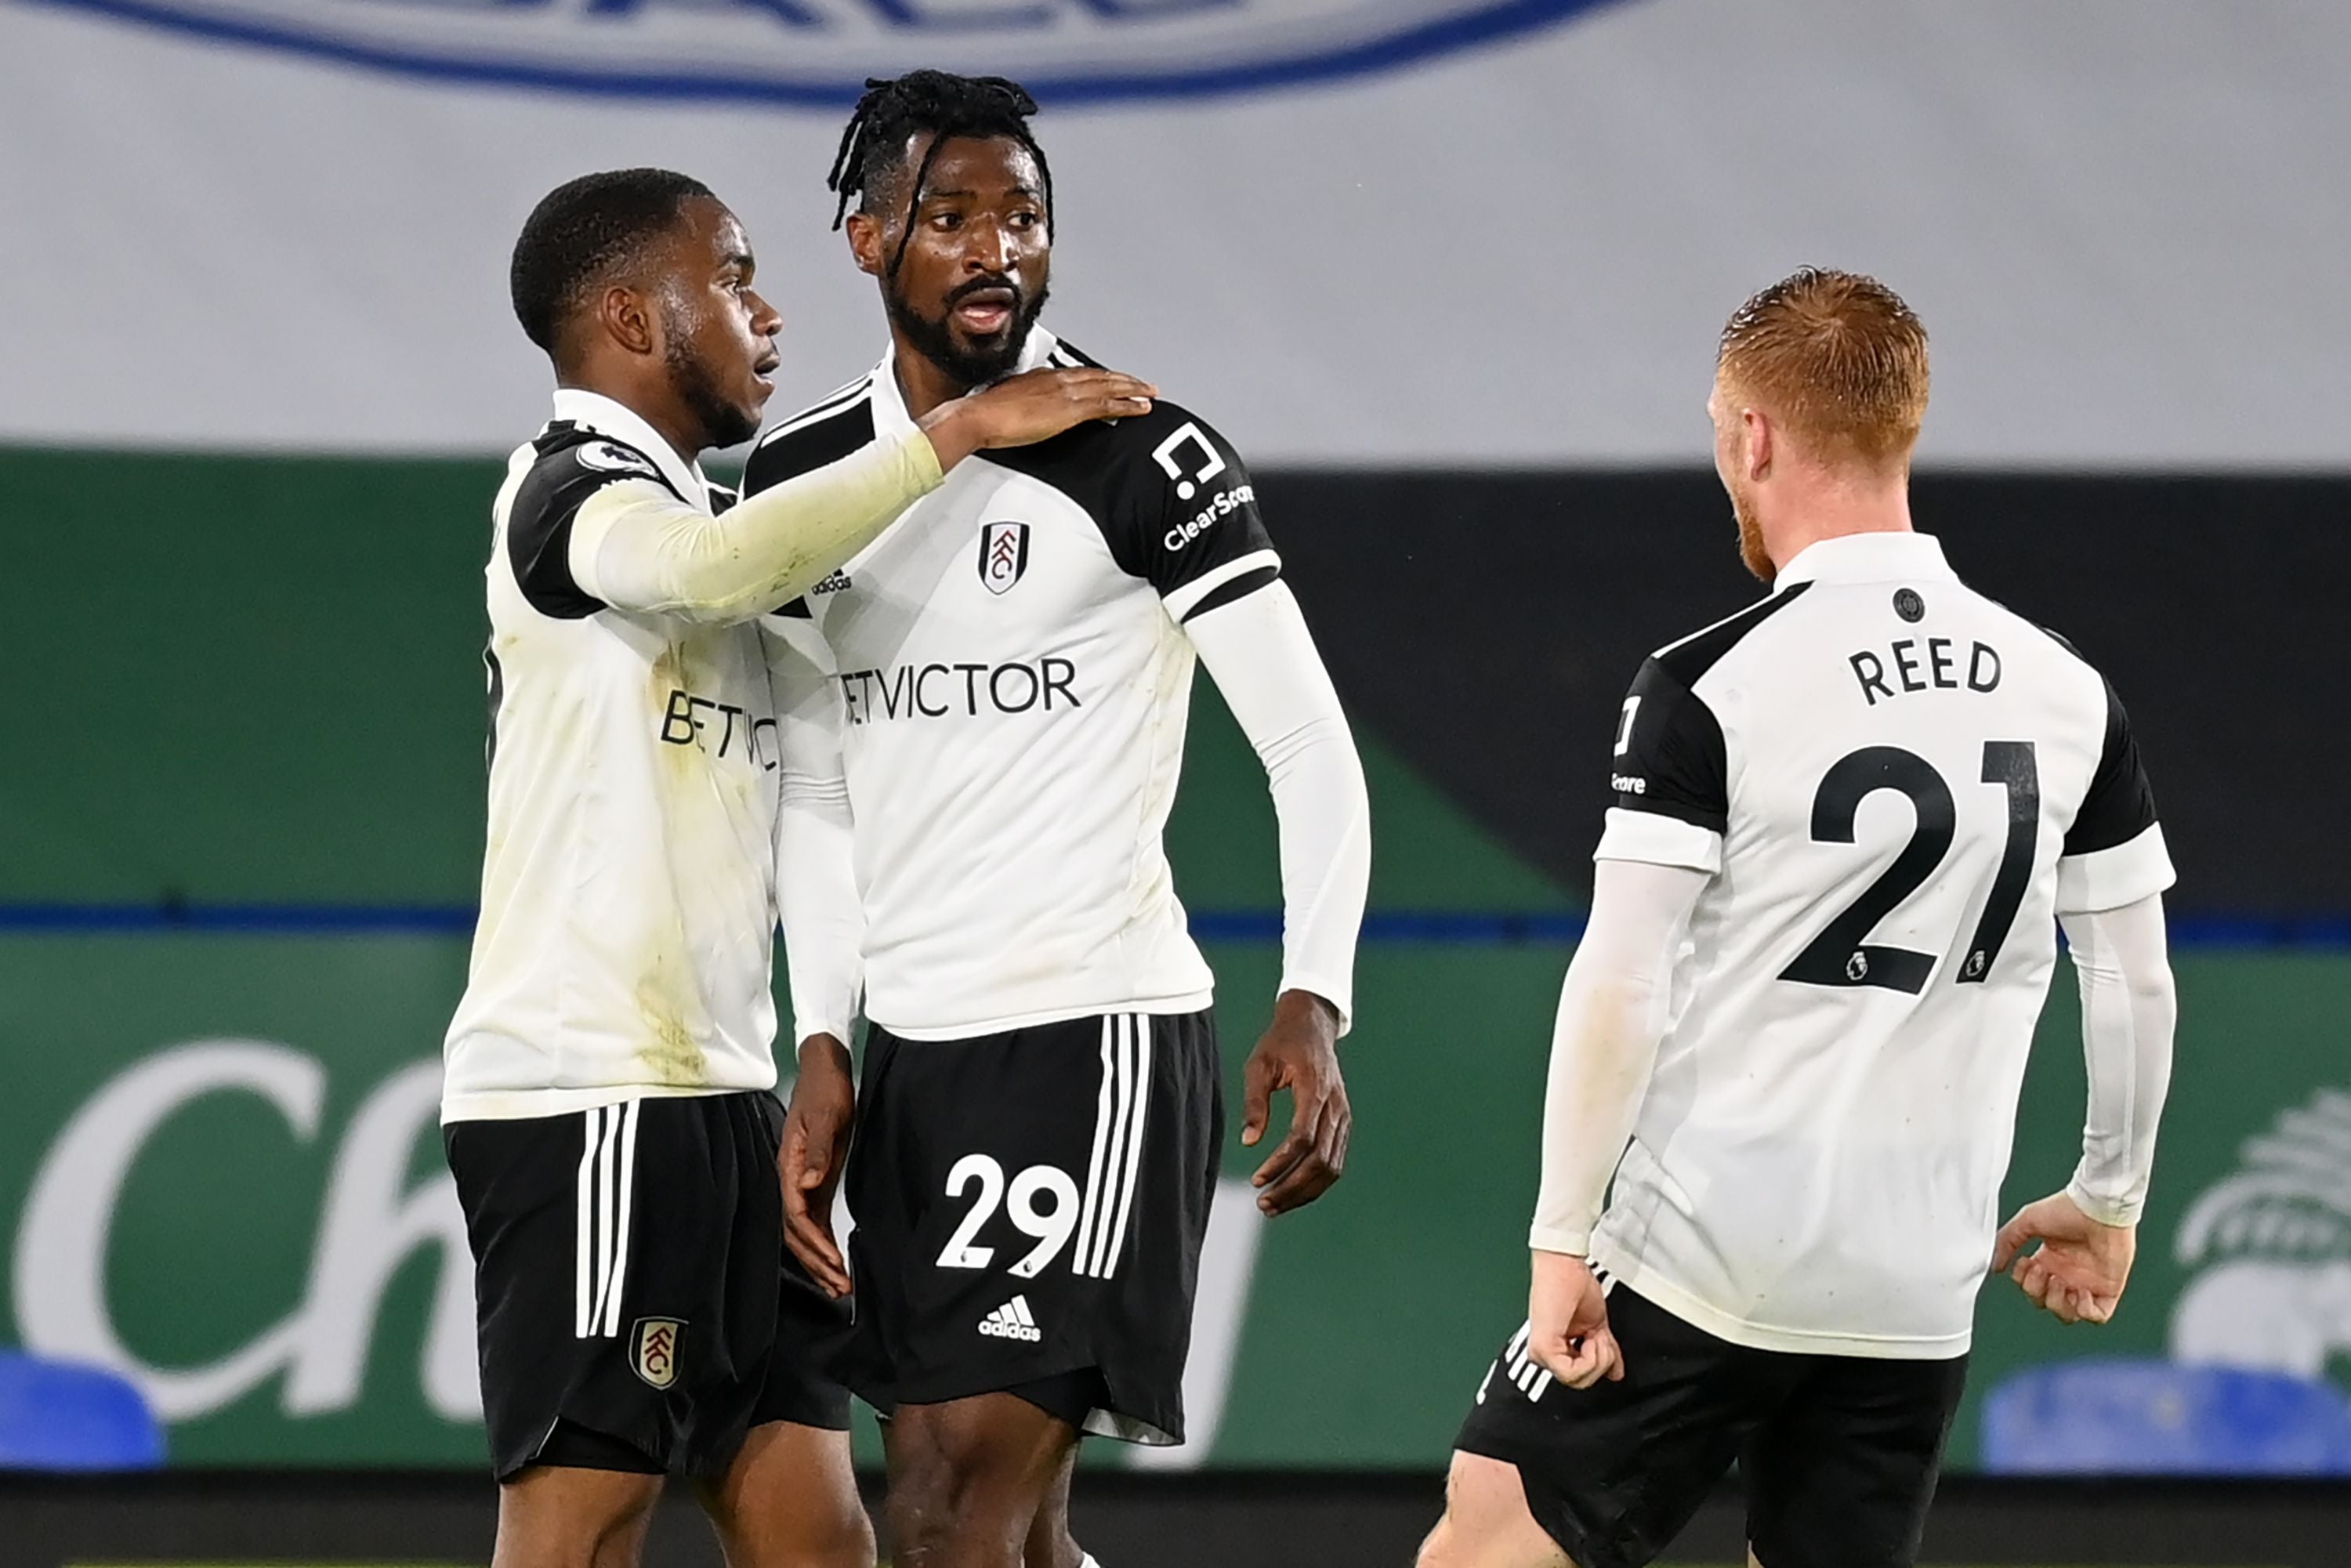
(935, 193)
(742, 258)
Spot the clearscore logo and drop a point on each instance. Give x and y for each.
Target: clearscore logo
(817, 53)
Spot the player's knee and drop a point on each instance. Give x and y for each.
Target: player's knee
(939, 1496)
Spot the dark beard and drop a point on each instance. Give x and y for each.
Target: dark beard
(935, 340)
(723, 423)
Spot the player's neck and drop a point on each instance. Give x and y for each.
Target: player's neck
(1837, 512)
(921, 382)
(667, 415)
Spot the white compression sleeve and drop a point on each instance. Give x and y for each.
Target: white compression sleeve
(816, 873)
(2129, 1009)
(1264, 659)
(1612, 1015)
(637, 548)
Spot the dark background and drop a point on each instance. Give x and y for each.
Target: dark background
(1487, 626)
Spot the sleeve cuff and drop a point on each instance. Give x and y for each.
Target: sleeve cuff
(1338, 995)
(1657, 840)
(2110, 878)
(1566, 1240)
(2115, 1211)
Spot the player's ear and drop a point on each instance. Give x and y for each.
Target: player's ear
(866, 239)
(1755, 426)
(627, 319)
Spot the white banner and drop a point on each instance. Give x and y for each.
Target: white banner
(1350, 231)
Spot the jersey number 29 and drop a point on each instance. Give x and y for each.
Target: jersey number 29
(1841, 955)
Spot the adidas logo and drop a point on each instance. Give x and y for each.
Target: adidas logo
(833, 584)
(1011, 1321)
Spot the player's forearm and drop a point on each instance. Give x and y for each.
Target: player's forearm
(823, 920)
(2128, 1011)
(816, 872)
(670, 559)
(1264, 659)
(1613, 1011)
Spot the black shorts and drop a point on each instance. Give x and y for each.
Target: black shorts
(1839, 1454)
(1031, 1204)
(637, 1308)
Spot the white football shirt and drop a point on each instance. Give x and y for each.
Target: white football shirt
(1897, 784)
(628, 896)
(1015, 680)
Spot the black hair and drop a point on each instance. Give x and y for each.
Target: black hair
(941, 104)
(580, 231)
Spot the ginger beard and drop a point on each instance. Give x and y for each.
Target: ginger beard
(1730, 466)
(1750, 534)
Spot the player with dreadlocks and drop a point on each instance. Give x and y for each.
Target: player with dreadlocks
(1007, 671)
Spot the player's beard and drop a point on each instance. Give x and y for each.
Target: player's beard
(724, 422)
(936, 340)
(1751, 538)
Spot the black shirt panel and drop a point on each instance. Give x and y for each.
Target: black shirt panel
(573, 464)
(1670, 758)
(2120, 804)
(825, 439)
(1173, 499)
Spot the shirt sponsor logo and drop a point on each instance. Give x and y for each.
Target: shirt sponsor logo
(817, 53)
(1003, 555)
(1226, 503)
(960, 691)
(721, 728)
(1628, 784)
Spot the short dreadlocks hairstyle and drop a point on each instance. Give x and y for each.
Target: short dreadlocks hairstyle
(583, 229)
(938, 102)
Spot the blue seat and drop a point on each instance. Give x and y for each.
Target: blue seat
(2135, 1416)
(58, 1417)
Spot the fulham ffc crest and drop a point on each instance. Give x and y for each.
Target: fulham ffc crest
(1003, 555)
(655, 1358)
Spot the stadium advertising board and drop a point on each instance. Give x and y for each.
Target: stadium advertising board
(819, 52)
(225, 1181)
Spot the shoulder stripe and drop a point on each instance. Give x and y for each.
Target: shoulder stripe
(839, 397)
(1699, 652)
(808, 446)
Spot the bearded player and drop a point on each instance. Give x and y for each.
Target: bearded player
(1849, 822)
(1009, 667)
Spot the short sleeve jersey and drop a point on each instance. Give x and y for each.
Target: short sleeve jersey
(628, 891)
(1896, 784)
(1015, 682)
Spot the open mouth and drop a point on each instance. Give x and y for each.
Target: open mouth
(764, 371)
(983, 313)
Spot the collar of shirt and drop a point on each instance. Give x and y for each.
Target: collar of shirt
(1866, 558)
(890, 415)
(594, 411)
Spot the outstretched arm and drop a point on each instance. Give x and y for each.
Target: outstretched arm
(1257, 650)
(637, 548)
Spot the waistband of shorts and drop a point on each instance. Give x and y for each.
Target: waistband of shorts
(527, 1105)
(1158, 1007)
